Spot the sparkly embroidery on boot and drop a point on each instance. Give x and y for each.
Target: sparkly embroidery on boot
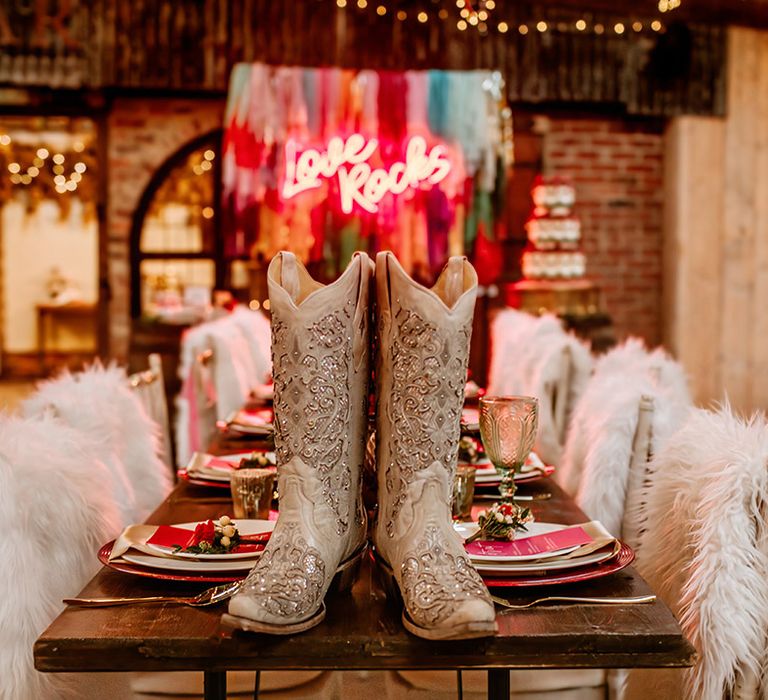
(289, 579)
(312, 402)
(435, 581)
(428, 376)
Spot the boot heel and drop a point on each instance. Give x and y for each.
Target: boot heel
(348, 572)
(386, 578)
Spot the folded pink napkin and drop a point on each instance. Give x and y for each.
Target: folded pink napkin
(259, 416)
(217, 463)
(169, 536)
(140, 536)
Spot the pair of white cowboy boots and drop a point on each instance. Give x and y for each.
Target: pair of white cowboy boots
(321, 367)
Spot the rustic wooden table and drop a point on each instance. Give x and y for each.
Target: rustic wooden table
(362, 629)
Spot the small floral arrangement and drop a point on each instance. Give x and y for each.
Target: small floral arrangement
(256, 460)
(501, 522)
(468, 451)
(212, 537)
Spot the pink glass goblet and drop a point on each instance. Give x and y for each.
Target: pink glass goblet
(508, 428)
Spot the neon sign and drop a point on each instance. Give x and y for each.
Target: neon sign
(359, 183)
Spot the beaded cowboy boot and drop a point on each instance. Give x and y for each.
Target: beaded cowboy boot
(320, 355)
(421, 367)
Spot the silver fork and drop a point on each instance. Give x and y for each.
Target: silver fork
(209, 596)
(631, 600)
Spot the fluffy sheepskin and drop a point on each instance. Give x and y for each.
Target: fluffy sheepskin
(100, 403)
(598, 449)
(704, 552)
(56, 510)
(527, 359)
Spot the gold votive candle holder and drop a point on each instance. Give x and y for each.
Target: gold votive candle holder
(252, 493)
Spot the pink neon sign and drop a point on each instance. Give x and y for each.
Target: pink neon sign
(359, 183)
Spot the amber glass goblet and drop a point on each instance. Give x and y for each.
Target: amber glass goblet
(508, 428)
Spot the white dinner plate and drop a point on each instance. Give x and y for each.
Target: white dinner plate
(245, 527)
(534, 528)
(196, 467)
(546, 565)
(168, 564)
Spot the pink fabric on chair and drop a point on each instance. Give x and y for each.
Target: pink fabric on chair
(196, 403)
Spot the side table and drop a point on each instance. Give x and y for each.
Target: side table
(48, 315)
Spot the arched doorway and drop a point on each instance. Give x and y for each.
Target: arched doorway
(177, 261)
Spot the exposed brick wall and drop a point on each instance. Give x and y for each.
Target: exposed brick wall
(616, 166)
(142, 134)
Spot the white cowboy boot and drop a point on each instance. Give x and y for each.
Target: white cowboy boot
(421, 367)
(321, 371)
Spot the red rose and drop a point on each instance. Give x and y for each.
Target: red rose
(204, 532)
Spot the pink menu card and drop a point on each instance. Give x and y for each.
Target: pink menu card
(537, 544)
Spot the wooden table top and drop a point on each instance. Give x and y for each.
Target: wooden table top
(362, 629)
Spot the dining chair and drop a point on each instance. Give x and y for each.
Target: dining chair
(705, 553)
(56, 510)
(234, 372)
(222, 363)
(195, 415)
(534, 356)
(606, 425)
(149, 386)
(100, 403)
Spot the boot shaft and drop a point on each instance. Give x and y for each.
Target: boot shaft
(320, 356)
(422, 353)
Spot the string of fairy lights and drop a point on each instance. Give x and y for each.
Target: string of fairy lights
(479, 15)
(65, 177)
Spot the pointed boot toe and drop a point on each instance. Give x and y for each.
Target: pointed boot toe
(249, 613)
(422, 352)
(320, 360)
(473, 618)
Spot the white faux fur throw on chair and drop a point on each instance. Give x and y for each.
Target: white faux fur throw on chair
(100, 403)
(598, 449)
(240, 363)
(612, 408)
(529, 356)
(704, 553)
(56, 510)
